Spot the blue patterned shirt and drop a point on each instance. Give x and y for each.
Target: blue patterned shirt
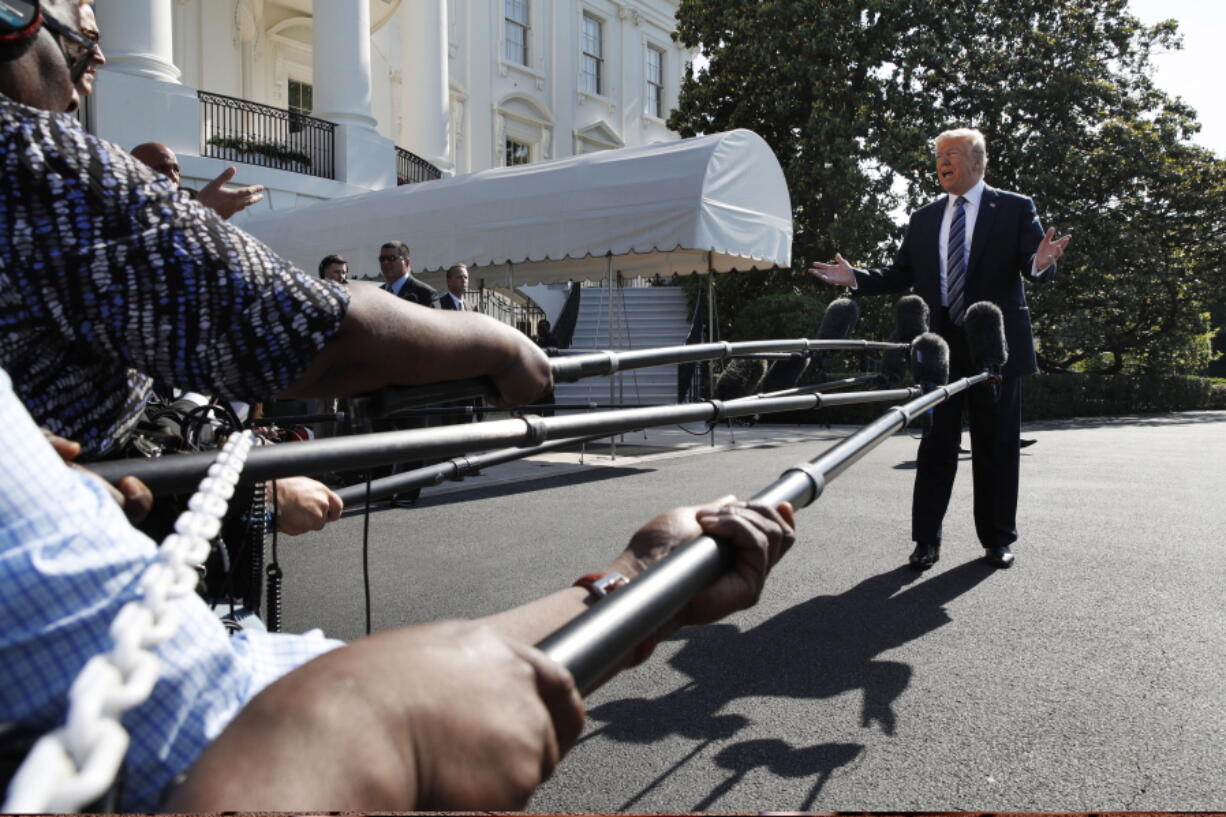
(69, 561)
(110, 277)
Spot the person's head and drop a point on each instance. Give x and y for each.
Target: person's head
(88, 25)
(542, 327)
(334, 268)
(962, 157)
(160, 158)
(457, 280)
(394, 261)
(42, 55)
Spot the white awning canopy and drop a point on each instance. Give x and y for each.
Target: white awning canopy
(715, 202)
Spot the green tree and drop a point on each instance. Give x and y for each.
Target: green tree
(850, 92)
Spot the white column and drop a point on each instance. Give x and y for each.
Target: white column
(340, 64)
(137, 38)
(138, 96)
(424, 36)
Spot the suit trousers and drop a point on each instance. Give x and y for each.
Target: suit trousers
(995, 460)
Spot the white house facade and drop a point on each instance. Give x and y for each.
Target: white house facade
(317, 99)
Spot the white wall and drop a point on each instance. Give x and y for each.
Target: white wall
(457, 116)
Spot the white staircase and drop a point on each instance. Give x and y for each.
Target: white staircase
(642, 318)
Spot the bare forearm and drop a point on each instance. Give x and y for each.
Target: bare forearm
(263, 761)
(388, 341)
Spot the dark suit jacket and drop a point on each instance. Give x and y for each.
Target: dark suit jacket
(445, 301)
(419, 293)
(1007, 235)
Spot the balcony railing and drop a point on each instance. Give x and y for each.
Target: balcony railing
(411, 168)
(498, 306)
(237, 130)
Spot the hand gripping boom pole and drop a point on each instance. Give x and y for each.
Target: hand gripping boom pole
(593, 643)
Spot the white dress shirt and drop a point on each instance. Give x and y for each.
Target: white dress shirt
(395, 286)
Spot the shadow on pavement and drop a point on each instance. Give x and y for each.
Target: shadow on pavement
(1179, 418)
(816, 650)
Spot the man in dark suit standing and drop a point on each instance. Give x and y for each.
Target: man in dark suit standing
(974, 244)
(397, 270)
(457, 288)
(453, 299)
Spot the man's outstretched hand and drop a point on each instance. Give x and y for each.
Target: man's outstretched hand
(839, 273)
(1050, 249)
(226, 201)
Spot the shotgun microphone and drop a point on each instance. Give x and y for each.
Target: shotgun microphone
(929, 368)
(911, 315)
(839, 320)
(985, 335)
(740, 378)
(930, 361)
(837, 323)
(910, 320)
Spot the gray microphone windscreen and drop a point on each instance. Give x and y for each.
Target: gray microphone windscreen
(911, 317)
(840, 318)
(740, 378)
(930, 359)
(985, 334)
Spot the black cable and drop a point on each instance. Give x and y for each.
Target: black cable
(366, 552)
(274, 573)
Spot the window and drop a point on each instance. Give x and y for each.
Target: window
(517, 153)
(592, 55)
(655, 82)
(516, 31)
(301, 101)
(301, 96)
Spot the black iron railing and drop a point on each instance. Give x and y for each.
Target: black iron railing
(411, 168)
(498, 306)
(237, 130)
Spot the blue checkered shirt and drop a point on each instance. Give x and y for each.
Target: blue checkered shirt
(69, 561)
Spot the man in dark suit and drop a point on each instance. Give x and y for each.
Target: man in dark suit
(397, 270)
(453, 299)
(974, 244)
(457, 288)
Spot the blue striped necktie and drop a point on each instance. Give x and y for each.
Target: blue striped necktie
(955, 262)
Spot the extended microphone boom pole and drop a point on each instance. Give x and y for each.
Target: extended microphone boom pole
(592, 644)
(177, 474)
(457, 467)
(597, 364)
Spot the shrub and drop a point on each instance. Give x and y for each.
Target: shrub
(780, 315)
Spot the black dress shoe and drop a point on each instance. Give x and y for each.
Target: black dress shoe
(925, 555)
(1000, 556)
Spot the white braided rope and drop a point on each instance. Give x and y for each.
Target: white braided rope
(74, 765)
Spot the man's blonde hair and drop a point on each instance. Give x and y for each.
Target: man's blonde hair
(979, 146)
